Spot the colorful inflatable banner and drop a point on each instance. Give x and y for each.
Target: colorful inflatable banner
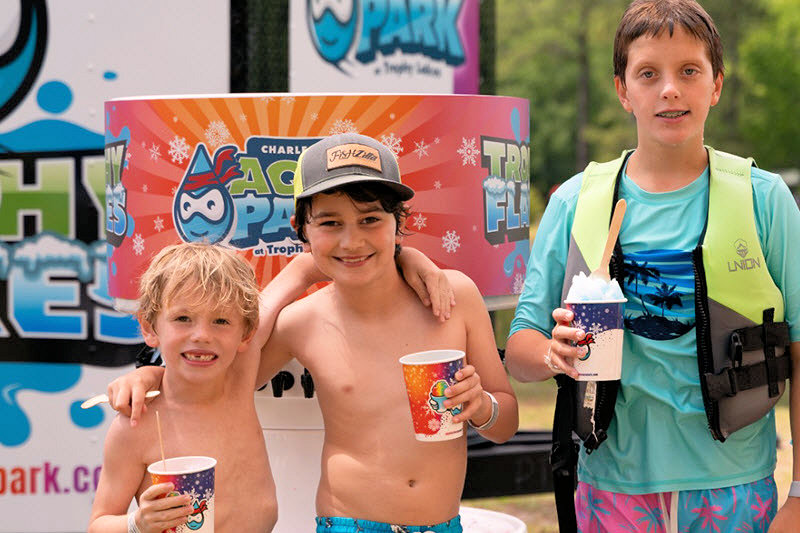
(426, 46)
(220, 169)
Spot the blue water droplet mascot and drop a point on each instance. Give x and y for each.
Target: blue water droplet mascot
(203, 209)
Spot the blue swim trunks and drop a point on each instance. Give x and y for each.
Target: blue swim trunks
(338, 524)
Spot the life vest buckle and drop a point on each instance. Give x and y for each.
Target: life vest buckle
(733, 381)
(737, 345)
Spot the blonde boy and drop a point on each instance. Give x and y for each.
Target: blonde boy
(199, 306)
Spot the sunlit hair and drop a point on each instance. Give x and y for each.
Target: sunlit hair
(652, 17)
(206, 275)
(363, 192)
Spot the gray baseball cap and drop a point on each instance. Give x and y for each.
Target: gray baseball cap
(347, 158)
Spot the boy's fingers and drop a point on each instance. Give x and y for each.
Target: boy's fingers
(465, 372)
(121, 400)
(562, 316)
(419, 287)
(446, 297)
(137, 403)
(561, 356)
(154, 491)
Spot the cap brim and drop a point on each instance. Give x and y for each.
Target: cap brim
(405, 192)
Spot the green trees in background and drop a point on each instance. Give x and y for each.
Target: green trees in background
(558, 53)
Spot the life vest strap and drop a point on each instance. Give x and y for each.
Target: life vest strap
(757, 337)
(745, 377)
(564, 455)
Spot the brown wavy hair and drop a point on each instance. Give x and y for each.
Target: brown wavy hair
(652, 17)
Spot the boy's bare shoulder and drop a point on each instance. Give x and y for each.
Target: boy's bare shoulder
(461, 283)
(128, 440)
(301, 312)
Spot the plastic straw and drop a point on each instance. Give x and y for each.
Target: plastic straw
(161, 442)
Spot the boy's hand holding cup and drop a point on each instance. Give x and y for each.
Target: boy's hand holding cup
(160, 508)
(428, 375)
(191, 476)
(597, 308)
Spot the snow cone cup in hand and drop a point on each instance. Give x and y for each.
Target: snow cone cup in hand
(192, 475)
(427, 375)
(602, 321)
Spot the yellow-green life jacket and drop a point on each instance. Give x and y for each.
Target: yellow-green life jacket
(741, 336)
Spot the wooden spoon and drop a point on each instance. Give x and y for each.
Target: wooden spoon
(102, 398)
(613, 231)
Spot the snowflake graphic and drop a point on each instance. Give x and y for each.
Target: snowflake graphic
(421, 148)
(393, 143)
(128, 155)
(344, 125)
(434, 424)
(518, 284)
(578, 323)
(469, 152)
(451, 241)
(208, 494)
(267, 99)
(155, 152)
(242, 117)
(419, 221)
(178, 149)
(173, 191)
(436, 140)
(437, 184)
(138, 244)
(217, 133)
(595, 329)
(144, 188)
(314, 116)
(287, 99)
(158, 223)
(174, 118)
(193, 493)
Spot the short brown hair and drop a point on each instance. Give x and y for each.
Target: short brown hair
(651, 17)
(210, 274)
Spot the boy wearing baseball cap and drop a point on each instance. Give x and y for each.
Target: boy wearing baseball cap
(376, 477)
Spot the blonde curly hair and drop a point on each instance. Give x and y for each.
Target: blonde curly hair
(206, 274)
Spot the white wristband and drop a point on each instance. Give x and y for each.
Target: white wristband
(794, 489)
(493, 418)
(132, 527)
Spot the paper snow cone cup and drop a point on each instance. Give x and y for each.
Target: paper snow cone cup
(427, 375)
(602, 321)
(192, 475)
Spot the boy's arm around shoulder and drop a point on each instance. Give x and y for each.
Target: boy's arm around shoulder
(277, 351)
(489, 373)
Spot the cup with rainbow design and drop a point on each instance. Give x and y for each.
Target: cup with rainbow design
(427, 375)
(192, 475)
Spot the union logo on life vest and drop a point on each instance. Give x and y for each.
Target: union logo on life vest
(745, 263)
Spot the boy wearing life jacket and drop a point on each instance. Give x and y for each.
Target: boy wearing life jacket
(707, 257)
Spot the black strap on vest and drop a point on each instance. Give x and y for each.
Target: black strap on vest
(564, 455)
(771, 371)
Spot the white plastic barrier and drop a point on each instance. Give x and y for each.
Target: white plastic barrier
(294, 433)
(484, 521)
